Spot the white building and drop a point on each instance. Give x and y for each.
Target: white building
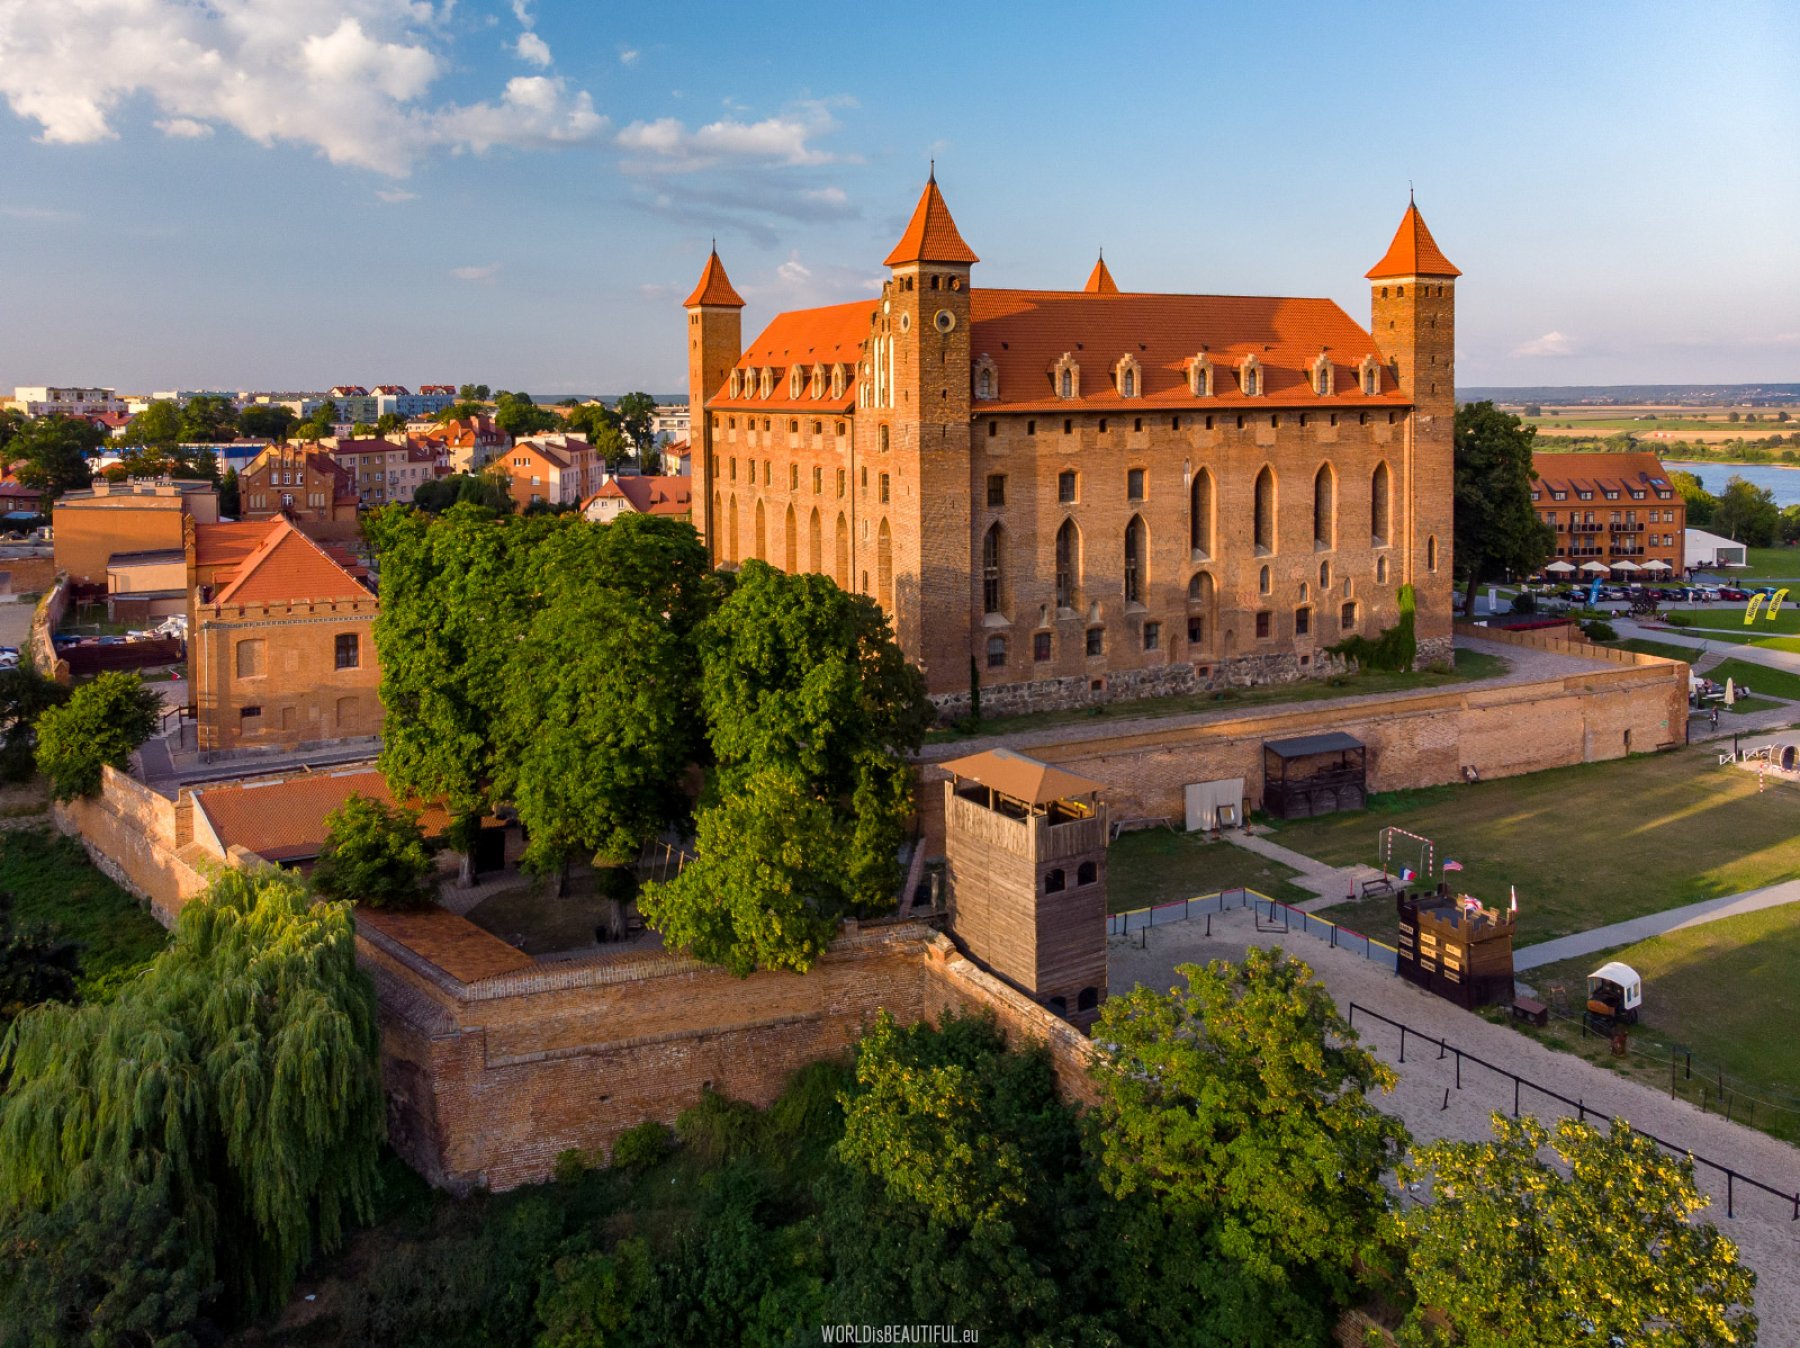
(49, 400)
(1702, 551)
(670, 421)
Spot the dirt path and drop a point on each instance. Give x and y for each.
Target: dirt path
(1763, 1227)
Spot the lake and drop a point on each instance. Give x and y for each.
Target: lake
(1782, 483)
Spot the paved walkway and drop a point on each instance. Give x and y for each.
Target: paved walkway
(1655, 924)
(1434, 1105)
(1698, 638)
(1331, 883)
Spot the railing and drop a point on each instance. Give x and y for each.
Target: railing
(1272, 916)
(1732, 1177)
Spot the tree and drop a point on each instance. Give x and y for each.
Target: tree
(1732, 417)
(1498, 532)
(374, 854)
(233, 1086)
(1700, 502)
(101, 723)
(602, 716)
(157, 424)
(208, 419)
(490, 490)
(25, 695)
(1514, 1250)
(272, 421)
(1240, 1107)
(36, 965)
(518, 416)
(363, 430)
(389, 423)
(473, 393)
(1747, 513)
(1790, 524)
(51, 454)
(633, 412)
(230, 502)
(321, 423)
(590, 419)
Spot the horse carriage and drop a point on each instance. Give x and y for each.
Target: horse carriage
(1614, 994)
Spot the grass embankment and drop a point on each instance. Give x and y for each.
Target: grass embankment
(1667, 650)
(1714, 992)
(1162, 866)
(1586, 845)
(1760, 678)
(1470, 666)
(1768, 564)
(52, 881)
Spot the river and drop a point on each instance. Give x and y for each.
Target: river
(1782, 483)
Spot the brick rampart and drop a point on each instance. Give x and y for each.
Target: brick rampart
(44, 622)
(136, 837)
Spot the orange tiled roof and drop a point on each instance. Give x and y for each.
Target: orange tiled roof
(228, 544)
(1413, 252)
(714, 287)
(285, 820)
(288, 567)
(1100, 281)
(1600, 472)
(931, 235)
(1025, 333)
(454, 944)
(656, 495)
(830, 336)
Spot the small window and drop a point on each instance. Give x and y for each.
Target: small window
(1347, 618)
(1055, 881)
(1087, 999)
(1262, 581)
(1381, 571)
(1068, 425)
(1065, 487)
(793, 477)
(349, 656)
(840, 482)
(993, 429)
(818, 481)
(1096, 641)
(1431, 553)
(996, 652)
(248, 714)
(1302, 621)
(996, 490)
(1196, 631)
(1031, 428)
(884, 438)
(1134, 484)
(1058, 1006)
(1040, 646)
(1103, 425)
(1262, 626)
(884, 488)
(1087, 873)
(1152, 636)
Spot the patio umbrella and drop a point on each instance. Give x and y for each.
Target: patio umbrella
(1598, 568)
(1657, 564)
(1561, 568)
(1626, 566)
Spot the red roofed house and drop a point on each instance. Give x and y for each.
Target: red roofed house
(1617, 511)
(386, 471)
(300, 482)
(472, 442)
(1090, 492)
(281, 648)
(556, 469)
(641, 495)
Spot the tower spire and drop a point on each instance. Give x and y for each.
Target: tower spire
(1100, 281)
(715, 286)
(931, 235)
(1413, 252)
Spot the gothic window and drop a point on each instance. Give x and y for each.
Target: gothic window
(1321, 376)
(1250, 377)
(1200, 376)
(1134, 560)
(762, 534)
(1324, 506)
(1067, 377)
(737, 382)
(795, 382)
(1381, 570)
(1200, 514)
(1068, 564)
(884, 565)
(843, 552)
(837, 381)
(1128, 374)
(791, 537)
(815, 544)
(1379, 492)
(993, 561)
(1371, 376)
(1263, 525)
(987, 378)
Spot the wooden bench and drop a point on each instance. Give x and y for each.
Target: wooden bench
(1372, 889)
(1524, 1008)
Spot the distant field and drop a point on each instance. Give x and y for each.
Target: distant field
(1710, 425)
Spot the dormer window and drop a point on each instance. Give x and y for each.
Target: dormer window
(737, 382)
(766, 384)
(1369, 376)
(987, 378)
(1066, 377)
(796, 381)
(1128, 376)
(1200, 376)
(1250, 377)
(1321, 375)
(837, 381)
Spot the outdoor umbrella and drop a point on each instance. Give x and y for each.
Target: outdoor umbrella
(1598, 568)
(1626, 566)
(1561, 568)
(1656, 564)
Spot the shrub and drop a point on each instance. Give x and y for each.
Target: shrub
(1598, 629)
(643, 1148)
(374, 854)
(1524, 602)
(1397, 646)
(571, 1164)
(1678, 619)
(100, 724)
(719, 1129)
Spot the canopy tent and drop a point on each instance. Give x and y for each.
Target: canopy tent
(1657, 564)
(1561, 568)
(1626, 566)
(1598, 568)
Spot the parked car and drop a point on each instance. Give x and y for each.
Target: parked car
(1733, 594)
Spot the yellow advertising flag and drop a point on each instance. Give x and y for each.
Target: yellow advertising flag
(1750, 608)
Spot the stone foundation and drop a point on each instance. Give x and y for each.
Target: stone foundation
(1435, 651)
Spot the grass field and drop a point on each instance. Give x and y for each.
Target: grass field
(1470, 666)
(52, 881)
(1666, 650)
(1715, 992)
(1161, 866)
(1785, 623)
(1585, 845)
(1767, 564)
(1760, 678)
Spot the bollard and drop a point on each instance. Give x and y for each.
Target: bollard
(1446, 1103)
(1515, 1097)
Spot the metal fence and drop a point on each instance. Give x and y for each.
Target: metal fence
(1520, 1084)
(1272, 918)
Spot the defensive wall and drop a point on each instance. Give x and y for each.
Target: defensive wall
(1619, 702)
(45, 619)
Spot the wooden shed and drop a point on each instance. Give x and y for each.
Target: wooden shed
(1314, 774)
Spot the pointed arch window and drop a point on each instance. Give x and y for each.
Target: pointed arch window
(1324, 507)
(791, 540)
(1129, 376)
(884, 566)
(993, 569)
(1066, 376)
(1136, 559)
(843, 552)
(1068, 565)
(732, 529)
(762, 534)
(1380, 493)
(1200, 376)
(1200, 515)
(987, 378)
(1250, 377)
(1322, 375)
(796, 382)
(1369, 373)
(737, 382)
(838, 378)
(1263, 522)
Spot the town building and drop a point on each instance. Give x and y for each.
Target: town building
(1615, 515)
(281, 644)
(394, 399)
(472, 443)
(134, 516)
(670, 421)
(1079, 494)
(300, 482)
(49, 400)
(553, 469)
(355, 404)
(641, 495)
(384, 470)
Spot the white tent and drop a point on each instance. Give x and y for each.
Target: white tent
(1701, 549)
(1561, 568)
(1626, 566)
(1598, 568)
(1656, 564)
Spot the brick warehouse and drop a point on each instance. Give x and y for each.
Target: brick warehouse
(1095, 492)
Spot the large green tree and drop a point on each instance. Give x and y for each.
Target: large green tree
(518, 416)
(1238, 1109)
(632, 414)
(375, 854)
(229, 1097)
(1747, 513)
(208, 419)
(1498, 532)
(271, 421)
(51, 454)
(1598, 1245)
(1700, 502)
(25, 695)
(157, 424)
(101, 723)
(602, 715)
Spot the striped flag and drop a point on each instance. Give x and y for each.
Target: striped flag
(1513, 906)
(1453, 865)
(1407, 875)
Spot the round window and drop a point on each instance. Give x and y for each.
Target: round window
(906, 322)
(945, 320)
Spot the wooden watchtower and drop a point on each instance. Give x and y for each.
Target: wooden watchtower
(1026, 871)
(1457, 948)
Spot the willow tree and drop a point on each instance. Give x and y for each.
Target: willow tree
(222, 1115)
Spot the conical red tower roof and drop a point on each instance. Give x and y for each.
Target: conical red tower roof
(1100, 281)
(931, 234)
(1413, 252)
(715, 287)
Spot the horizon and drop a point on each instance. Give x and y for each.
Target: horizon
(414, 197)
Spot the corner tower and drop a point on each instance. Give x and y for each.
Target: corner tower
(715, 341)
(922, 420)
(1412, 304)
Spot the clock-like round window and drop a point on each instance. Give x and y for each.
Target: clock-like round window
(905, 322)
(945, 320)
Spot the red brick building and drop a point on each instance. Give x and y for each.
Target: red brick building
(1611, 510)
(300, 482)
(1090, 492)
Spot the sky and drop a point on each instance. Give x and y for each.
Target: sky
(289, 194)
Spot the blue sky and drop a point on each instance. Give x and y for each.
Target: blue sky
(295, 193)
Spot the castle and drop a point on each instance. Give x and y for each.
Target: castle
(1078, 494)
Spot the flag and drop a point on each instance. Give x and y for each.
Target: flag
(1453, 865)
(1513, 906)
(1407, 875)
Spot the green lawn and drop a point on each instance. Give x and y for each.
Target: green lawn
(1470, 666)
(1768, 564)
(1786, 622)
(1666, 650)
(52, 881)
(1585, 845)
(1762, 679)
(1715, 991)
(1156, 866)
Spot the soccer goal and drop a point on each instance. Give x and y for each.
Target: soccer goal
(1408, 857)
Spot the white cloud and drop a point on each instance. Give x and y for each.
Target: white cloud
(486, 273)
(395, 195)
(833, 198)
(39, 214)
(793, 271)
(667, 145)
(350, 78)
(628, 56)
(1550, 344)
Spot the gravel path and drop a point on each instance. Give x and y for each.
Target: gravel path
(1763, 1227)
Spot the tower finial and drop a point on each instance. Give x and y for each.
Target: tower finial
(932, 176)
(715, 245)
(1409, 193)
